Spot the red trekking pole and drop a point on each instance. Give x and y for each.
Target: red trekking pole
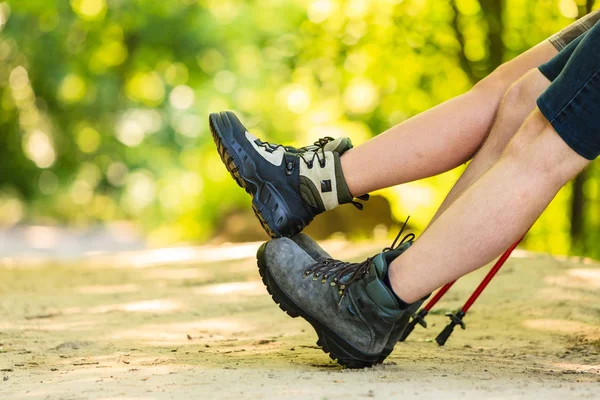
(457, 318)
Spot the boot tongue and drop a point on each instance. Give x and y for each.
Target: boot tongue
(378, 291)
(380, 266)
(383, 259)
(376, 288)
(339, 145)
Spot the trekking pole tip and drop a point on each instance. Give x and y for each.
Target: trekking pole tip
(455, 319)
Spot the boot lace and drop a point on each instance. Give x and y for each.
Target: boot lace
(318, 144)
(341, 274)
(314, 154)
(308, 154)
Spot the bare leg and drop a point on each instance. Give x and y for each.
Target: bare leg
(491, 214)
(439, 139)
(517, 104)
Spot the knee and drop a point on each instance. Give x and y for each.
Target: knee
(518, 101)
(534, 149)
(524, 138)
(495, 84)
(502, 79)
(524, 92)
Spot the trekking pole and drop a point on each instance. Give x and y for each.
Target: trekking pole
(457, 318)
(419, 318)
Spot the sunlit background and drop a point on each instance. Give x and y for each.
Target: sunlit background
(104, 104)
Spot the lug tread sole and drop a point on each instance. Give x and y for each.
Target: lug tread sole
(232, 164)
(264, 210)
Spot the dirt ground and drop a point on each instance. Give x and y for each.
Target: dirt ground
(197, 323)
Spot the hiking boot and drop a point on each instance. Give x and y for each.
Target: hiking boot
(348, 304)
(289, 186)
(317, 253)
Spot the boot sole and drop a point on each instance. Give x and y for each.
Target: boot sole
(332, 344)
(267, 203)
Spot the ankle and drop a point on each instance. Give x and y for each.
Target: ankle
(346, 169)
(402, 286)
(343, 190)
(401, 303)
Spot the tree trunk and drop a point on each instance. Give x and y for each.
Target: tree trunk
(464, 62)
(589, 4)
(493, 12)
(578, 215)
(578, 201)
(493, 15)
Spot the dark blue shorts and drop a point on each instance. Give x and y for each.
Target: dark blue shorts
(572, 101)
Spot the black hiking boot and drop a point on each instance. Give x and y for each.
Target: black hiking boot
(289, 186)
(356, 316)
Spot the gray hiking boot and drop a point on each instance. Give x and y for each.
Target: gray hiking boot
(317, 253)
(353, 312)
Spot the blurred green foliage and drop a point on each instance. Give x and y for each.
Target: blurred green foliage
(104, 102)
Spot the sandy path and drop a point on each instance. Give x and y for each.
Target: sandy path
(197, 323)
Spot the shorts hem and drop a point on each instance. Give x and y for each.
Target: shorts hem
(547, 72)
(557, 42)
(562, 128)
